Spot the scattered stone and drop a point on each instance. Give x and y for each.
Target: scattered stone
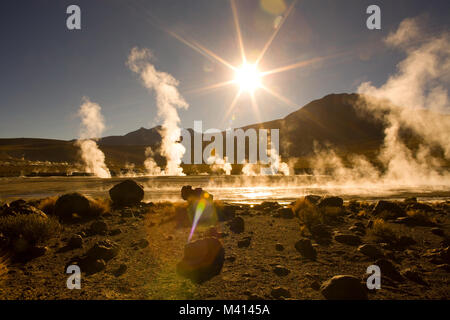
(350, 239)
(343, 287)
(115, 232)
(127, 213)
(388, 210)
(413, 275)
(244, 243)
(279, 247)
(103, 250)
(306, 249)
(120, 270)
(405, 241)
(202, 260)
(91, 265)
(98, 227)
(126, 193)
(21, 207)
(280, 292)
(331, 202)
(227, 212)
(438, 231)
(70, 204)
(388, 269)
(370, 251)
(321, 231)
(143, 243)
(281, 271)
(285, 213)
(75, 242)
(237, 225)
(189, 194)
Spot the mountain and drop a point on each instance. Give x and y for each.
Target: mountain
(334, 119)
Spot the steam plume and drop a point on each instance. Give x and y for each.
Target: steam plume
(168, 99)
(92, 126)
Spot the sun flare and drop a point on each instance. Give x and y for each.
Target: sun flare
(248, 77)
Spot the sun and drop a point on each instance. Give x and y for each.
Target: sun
(248, 77)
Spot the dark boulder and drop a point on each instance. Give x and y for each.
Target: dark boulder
(70, 204)
(331, 202)
(202, 260)
(126, 193)
(189, 194)
(343, 287)
(350, 239)
(388, 210)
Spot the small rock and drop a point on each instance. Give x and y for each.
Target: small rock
(244, 243)
(279, 247)
(387, 268)
(343, 287)
(98, 227)
(202, 260)
(413, 276)
(304, 246)
(370, 251)
(281, 271)
(285, 213)
(143, 243)
(120, 270)
(331, 202)
(438, 231)
(349, 239)
(75, 242)
(280, 292)
(115, 232)
(237, 225)
(104, 250)
(388, 210)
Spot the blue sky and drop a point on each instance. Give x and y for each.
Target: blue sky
(46, 70)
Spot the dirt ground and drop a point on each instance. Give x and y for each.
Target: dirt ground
(247, 273)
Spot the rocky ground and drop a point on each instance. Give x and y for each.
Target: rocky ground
(269, 252)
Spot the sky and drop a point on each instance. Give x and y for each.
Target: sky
(46, 69)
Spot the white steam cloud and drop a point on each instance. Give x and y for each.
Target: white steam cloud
(92, 126)
(414, 98)
(168, 99)
(219, 165)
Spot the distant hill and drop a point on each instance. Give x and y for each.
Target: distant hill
(333, 119)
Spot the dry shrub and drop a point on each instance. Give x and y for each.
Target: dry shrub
(382, 232)
(47, 205)
(307, 213)
(363, 213)
(99, 207)
(422, 218)
(31, 227)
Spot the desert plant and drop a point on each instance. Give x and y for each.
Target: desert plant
(47, 205)
(99, 207)
(421, 217)
(32, 228)
(307, 213)
(382, 232)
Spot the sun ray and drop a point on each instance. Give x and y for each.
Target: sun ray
(238, 31)
(210, 87)
(296, 65)
(274, 34)
(233, 103)
(255, 106)
(278, 96)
